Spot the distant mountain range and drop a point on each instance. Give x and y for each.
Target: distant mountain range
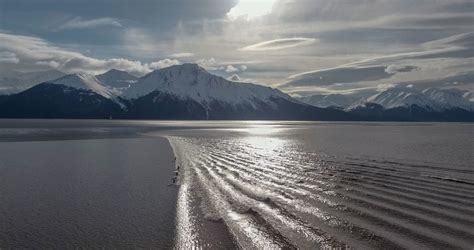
(190, 92)
(179, 92)
(403, 104)
(329, 100)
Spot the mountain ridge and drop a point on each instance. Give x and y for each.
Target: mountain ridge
(117, 78)
(178, 92)
(188, 91)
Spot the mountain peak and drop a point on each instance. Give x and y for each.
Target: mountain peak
(189, 66)
(117, 78)
(87, 82)
(83, 75)
(430, 98)
(191, 81)
(115, 71)
(184, 73)
(186, 68)
(73, 77)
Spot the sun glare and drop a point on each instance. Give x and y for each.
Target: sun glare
(251, 9)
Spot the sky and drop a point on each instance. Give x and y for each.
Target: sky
(303, 47)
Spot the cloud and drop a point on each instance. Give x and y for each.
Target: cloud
(339, 75)
(162, 15)
(79, 23)
(8, 57)
(372, 36)
(209, 64)
(237, 78)
(231, 69)
(462, 80)
(435, 59)
(163, 64)
(34, 54)
(181, 55)
(51, 64)
(249, 9)
(393, 69)
(279, 44)
(218, 67)
(234, 78)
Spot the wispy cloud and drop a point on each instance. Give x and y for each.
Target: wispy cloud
(163, 63)
(279, 44)
(32, 53)
(434, 60)
(237, 78)
(289, 37)
(182, 55)
(79, 23)
(231, 69)
(8, 57)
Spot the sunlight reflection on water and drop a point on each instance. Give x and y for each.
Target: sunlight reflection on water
(271, 186)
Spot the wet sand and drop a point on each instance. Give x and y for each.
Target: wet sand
(95, 193)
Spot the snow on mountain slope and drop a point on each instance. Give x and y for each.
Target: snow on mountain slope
(449, 98)
(194, 82)
(87, 82)
(431, 98)
(117, 78)
(401, 97)
(469, 96)
(331, 100)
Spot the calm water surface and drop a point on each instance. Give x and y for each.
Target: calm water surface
(307, 185)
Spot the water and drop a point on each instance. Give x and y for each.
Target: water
(327, 185)
(61, 188)
(309, 185)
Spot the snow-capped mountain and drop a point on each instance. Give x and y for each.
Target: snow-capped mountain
(397, 97)
(331, 100)
(117, 78)
(194, 82)
(449, 98)
(87, 82)
(178, 92)
(190, 91)
(70, 97)
(469, 96)
(14, 82)
(431, 99)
